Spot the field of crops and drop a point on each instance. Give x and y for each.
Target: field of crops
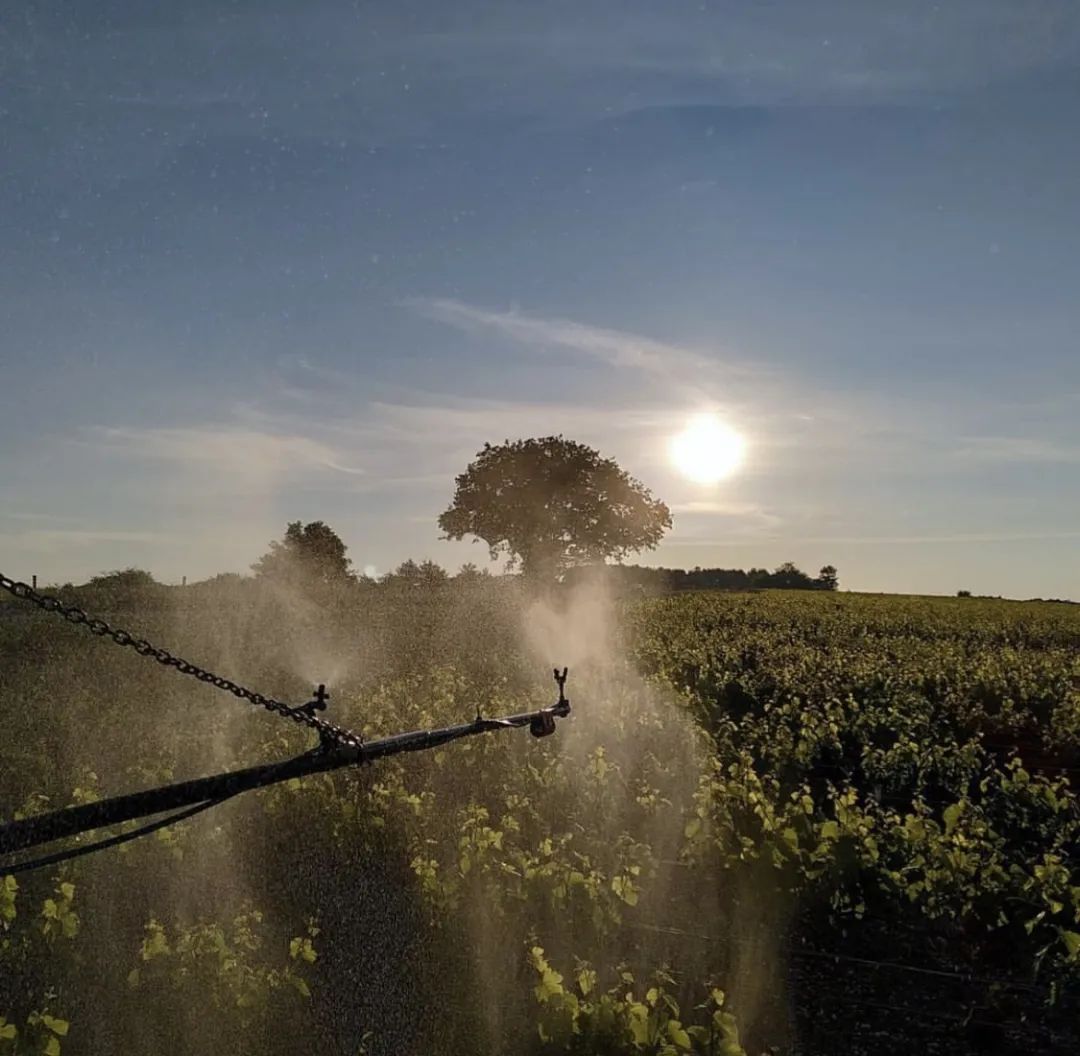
(780, 822)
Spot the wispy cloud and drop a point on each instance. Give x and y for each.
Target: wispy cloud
(720, 508)
(59, 539)
(498, 419)
(699, 520)
(437, 439)
(35, 518)
(226, 451)
(671, 363)
(1016, 449)
(886, 540)
(519, 60)
(953, 537)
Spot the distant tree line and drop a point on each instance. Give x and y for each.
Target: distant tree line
(639, 579)
(312, 557)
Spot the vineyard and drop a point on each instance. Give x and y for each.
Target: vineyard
(777, 822)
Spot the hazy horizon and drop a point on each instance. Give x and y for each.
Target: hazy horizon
(246, 284)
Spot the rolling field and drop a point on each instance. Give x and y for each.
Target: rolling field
(789, 822)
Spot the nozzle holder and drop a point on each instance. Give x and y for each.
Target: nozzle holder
(543, 725)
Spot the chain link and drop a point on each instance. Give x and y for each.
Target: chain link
(73, 614)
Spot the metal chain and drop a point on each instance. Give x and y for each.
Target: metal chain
(73, 614)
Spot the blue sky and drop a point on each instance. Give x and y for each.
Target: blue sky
(270, 261)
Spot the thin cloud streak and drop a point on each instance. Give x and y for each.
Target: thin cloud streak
(885, 540)
(713, 507)
(1012, 449)
(226, 450)
(738, 520)
(690, 371)
(59, 538)
(22, 515)
(500, 419)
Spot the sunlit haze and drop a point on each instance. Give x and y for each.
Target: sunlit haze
(245, 283)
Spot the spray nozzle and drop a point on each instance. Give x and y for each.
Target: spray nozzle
(318, 702)
(543, 724)
(560, 681)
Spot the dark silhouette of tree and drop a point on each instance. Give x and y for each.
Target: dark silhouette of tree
(407, 572)
(128, 580)
(432, 572)
(640, 580)
(128, 586)
(425, 574)
(309, 554)
(790, 577)
(551, 503)
(469, 573)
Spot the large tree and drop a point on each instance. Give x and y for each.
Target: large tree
(309, 553)
(551, 503)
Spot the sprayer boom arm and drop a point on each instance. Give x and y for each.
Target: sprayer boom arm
(43, 828)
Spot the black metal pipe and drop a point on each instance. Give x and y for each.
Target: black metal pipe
(43, 828)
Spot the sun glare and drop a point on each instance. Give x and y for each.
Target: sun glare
(708, 450)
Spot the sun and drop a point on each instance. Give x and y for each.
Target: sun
(708, 450)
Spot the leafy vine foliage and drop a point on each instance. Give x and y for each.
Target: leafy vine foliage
(798, 822)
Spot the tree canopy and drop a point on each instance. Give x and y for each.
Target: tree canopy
(123, 580)
(552, 503)
(309, 553)
(409, 573)
(121, 587)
